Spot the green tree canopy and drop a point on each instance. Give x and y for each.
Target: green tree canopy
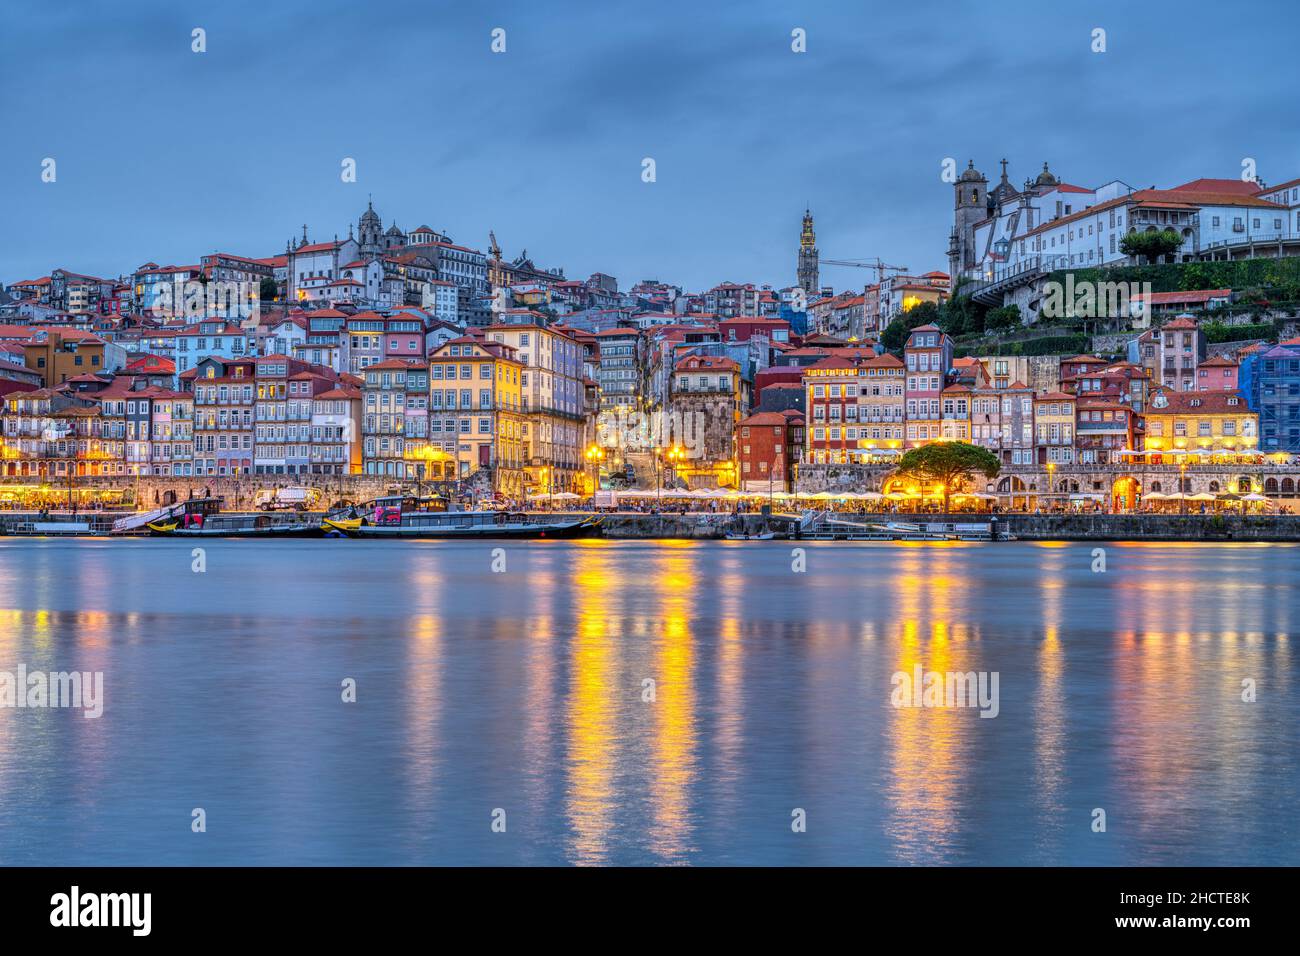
(950, 463)
(895, 335)
(1006, 317)
(1151, 245)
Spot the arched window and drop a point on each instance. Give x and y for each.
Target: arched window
(1270, 486)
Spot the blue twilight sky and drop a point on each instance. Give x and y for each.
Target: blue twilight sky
(164, 154)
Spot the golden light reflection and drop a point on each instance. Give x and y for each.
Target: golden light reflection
(925, 746)
(1049, 704)
(673, 751)
(728, 731)
(592, 707)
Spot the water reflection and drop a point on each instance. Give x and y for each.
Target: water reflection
(926, 747)
(592, 709)
(675, 577)
(772, 690)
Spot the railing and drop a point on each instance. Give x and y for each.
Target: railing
(1248, 240)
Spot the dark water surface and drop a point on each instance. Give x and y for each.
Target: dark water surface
(524, 691)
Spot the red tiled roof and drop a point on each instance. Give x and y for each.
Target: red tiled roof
(700, 362)
(780, 419)
(1209, 403)
(1189, 296)
(1235, 187)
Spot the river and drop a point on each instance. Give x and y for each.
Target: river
(634, 702)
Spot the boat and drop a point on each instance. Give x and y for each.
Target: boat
(406, 516)
(51, 528)
(832, 529)
(202, 518)
(757, 536)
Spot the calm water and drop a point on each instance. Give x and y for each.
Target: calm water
(523, 690)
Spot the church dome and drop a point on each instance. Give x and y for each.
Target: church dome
(1045, 178)
(370, 215)
(971, 174)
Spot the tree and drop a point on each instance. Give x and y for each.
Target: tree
(895, 335)
(1151, 245)
(1007, 317)
(949, 463)
(268, 289)
(962, 315)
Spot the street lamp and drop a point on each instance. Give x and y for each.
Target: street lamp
(676, 454)
(1182, 487)
(1051, 472)
(594, 456)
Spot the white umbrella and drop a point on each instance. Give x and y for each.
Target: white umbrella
(1253, 497)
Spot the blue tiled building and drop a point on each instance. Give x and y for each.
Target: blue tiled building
(1270, 380)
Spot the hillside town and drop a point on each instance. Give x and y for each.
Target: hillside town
(1111, 346)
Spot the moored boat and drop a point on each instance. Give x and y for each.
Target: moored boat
(202, 518)
(406, 516)
(479, 524)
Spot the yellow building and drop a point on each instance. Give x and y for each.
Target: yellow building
(1054, 422)
(553, 400)
(1208, 423)
(476, 417)
(58, 355)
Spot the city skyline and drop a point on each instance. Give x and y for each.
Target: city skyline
(480, 142)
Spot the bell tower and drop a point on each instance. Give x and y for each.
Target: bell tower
(970, 205)
(807, 264)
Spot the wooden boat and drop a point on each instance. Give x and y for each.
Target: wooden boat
(51, 528)
(406, 516)
(479, 524)
(757, 536)
(202, 518)
(341, 525)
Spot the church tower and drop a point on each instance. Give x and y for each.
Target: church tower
(970, 205)
(370, 233)
(807, 267)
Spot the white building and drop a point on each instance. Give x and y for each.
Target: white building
(1005, 241)
(321, 260)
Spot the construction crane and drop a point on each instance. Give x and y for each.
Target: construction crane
(879, 266)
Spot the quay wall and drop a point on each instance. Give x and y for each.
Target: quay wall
(1031, 527)
(239, 493)
(1147, 527)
